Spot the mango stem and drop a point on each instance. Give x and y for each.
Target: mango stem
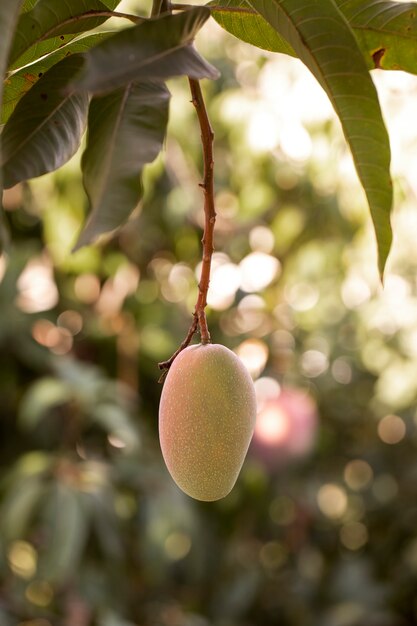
(207, 138)
(199, 315)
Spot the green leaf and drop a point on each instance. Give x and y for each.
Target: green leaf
(239, 19)
(386, 32)
(66, 525)
(41, 397)
(324, 42)
(21, 81)
(28, 5)
(126, 131)
(9, 11)
(106, 524)
(51, 24)
(19, 506)
(156, 49)
(46, 127)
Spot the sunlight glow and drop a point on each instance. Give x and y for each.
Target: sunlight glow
(332, 500)
(224, 283)
(301, 296)
(266, 388)
(358, 474)
(87, 288)
(272, 425)
(258, 271)
(177, 545)
(314, 363)
(286, 421)
(296, 142)
(22, 558)
(37, 288)
(40, 593)
(3, 266)
(261, 239)
(354, 535)
(254, 354)
(391, 429)
(71, 320)
(262, 130)
(58, 340)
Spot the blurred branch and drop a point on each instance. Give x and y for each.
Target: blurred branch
(97, 13)
(225, 9)
(207, 137)
(160, 6)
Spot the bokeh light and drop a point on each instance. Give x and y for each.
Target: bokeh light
(332, 500)
(286, 423)
(37, 288)
(254, 354)
(391, 429)
(22, 559)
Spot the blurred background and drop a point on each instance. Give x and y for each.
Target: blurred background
(321, 528)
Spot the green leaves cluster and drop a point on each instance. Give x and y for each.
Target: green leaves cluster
(61, 78)
(339, 40)
(67, 500)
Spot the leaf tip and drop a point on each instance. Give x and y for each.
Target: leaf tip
(84, 239)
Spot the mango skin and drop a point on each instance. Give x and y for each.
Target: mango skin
(206, 420)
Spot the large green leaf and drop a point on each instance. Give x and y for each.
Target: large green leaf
(28, 5)
(323, 40)
(51, 24)
(9, 11)
(21, 81)
(126, 131)
(156, 49)
(239, 19)
(386, 31)
(46, 127)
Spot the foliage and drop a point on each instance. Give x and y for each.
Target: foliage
(337, 43)
(92, 530)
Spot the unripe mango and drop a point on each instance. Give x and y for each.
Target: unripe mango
(206, 420)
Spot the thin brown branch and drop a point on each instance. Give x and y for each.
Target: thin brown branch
(88, 15)
(136, 19)
(218, 9)
(165, 365)
(207, 137)
(159, 7)
(78, 18)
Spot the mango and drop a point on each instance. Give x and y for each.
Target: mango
(206, 420)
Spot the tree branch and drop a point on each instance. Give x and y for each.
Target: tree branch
(85, 16)
(207, 137)
(160, 6)
(165, 365)
(93, 13)
(136, 19)
(199, 315)
(218, 9)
